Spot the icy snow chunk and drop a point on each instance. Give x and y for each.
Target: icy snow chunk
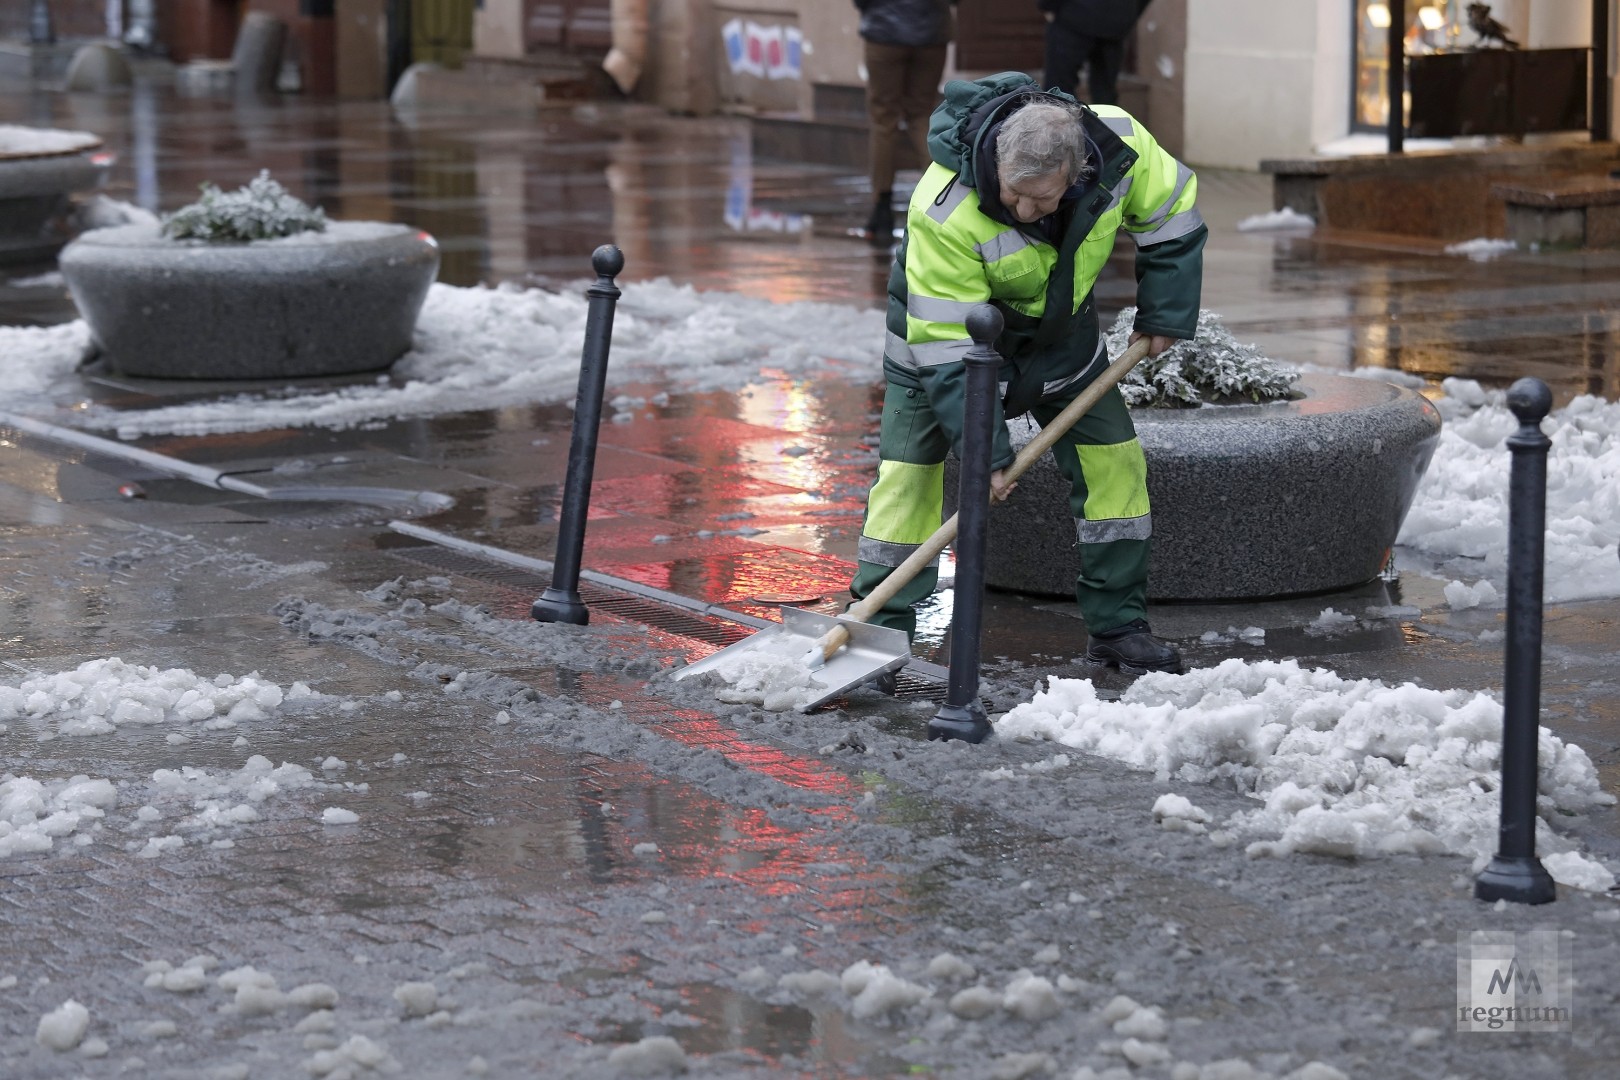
(157, 845)
(1031, 997)
(160, 1029)
(813, 983)
(1178, 814)
(975, 1003)
(1316, 1070)
(1016, 1066)
(1330, 620)
(417, 998)
(63, 1027)
(258, 1000)
(336, 815)
(1119, 1008)
(878, 991)
(1144, 1023)
(655, 1055)
(1142, 1054)
(647, 848)
(312, 996)
(1578, 871)
(1274, 220)
(1482, 249)
(1461, 597)
(947, 967)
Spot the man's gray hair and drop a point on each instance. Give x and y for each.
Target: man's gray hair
(1040, 139)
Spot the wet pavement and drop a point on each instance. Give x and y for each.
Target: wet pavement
(507, 860)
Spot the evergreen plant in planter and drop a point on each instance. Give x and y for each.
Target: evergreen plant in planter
(1263, 482)
(251, 284)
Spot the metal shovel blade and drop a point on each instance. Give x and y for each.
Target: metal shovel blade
(872, 650)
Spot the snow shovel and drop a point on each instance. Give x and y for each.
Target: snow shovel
(845, 650)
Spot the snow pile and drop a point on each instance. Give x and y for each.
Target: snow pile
(771, 672)
(1343, 767)
(1482, 249)
(1213, 367)
(1461, 507)
(19, 141)
(35, 813)
(99, 696)
(486, 348)
(1276, 219)
(1462, 596)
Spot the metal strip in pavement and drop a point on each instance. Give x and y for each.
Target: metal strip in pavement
(219, 480)
(700, 607)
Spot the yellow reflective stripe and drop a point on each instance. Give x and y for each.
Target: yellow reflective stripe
(906, 503)
(1116, 480)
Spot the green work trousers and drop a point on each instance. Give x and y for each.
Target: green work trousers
(1107, 473)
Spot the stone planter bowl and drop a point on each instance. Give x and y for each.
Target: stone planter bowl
(1249, 501)
(35, 186)
(318, 303)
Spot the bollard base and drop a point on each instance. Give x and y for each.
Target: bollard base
(1518, 879)
(965, 722)
(559, 605)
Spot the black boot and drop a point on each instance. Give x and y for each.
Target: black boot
(880, 224)
(1134, 650)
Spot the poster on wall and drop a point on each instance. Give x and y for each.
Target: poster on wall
(765, 52)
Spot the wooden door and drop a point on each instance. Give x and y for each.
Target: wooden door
(568, 24)
(1000, 35)
(441, 31)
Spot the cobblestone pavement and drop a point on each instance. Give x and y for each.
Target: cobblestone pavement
(578, 856)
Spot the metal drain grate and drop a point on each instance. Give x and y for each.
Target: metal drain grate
(922, 681)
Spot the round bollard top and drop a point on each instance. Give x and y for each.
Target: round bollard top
(1530, 400)
(607, 260)
(984, 324)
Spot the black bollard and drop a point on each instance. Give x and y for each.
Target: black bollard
(962, 716)
(1516, 874)
(560, 602)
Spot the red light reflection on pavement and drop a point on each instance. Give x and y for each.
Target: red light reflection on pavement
(737, 578)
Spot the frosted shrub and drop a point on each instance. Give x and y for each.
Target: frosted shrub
(1212, 368)
(263, 210)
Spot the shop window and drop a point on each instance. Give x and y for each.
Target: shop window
(1434, 26)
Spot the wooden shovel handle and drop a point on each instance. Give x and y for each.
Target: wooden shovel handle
(900, 576)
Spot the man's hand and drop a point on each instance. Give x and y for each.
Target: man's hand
(999, 487)
(1156, 344)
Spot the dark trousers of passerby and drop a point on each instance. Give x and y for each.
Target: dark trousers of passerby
(1067, 51)
(902, 83)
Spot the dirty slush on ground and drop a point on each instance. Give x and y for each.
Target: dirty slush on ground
(560, 850)
(512, 849)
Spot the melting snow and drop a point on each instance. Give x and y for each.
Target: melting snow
(1341, 767)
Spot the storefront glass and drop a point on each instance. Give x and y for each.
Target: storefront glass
(1432, 26)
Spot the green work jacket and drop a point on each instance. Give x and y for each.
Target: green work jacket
(958, 254)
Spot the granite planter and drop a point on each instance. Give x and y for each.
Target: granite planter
(39, 171)
(335, 302)
(1249, 501)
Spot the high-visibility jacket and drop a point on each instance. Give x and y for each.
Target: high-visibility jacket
(957, 254)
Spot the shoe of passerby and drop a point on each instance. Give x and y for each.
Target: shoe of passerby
(880, 223)
(1134, 650)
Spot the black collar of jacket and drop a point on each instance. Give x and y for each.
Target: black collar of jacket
(1117, 158)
